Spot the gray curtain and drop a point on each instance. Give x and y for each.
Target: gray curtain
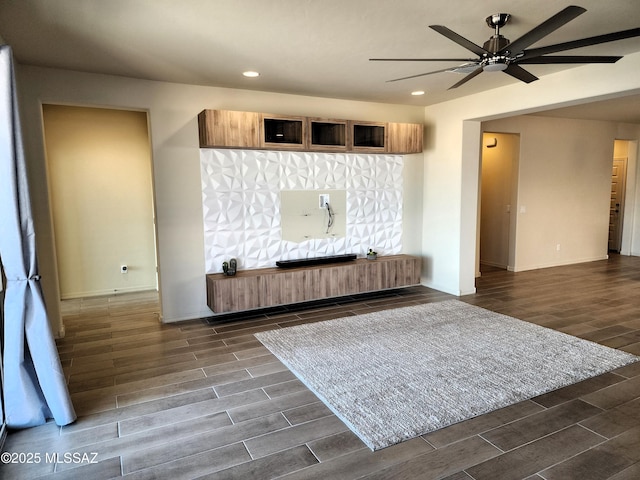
(34, 385)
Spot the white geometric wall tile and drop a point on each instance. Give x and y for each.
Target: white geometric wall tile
(292, 250)
(297, 171)
(259, 171)
(329, 171)
(241, 204)
(361, 206)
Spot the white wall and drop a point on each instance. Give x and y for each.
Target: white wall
(452, 153)
(172, 110)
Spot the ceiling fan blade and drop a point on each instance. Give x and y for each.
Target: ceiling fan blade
(473, 74)
(460, 40)
(585, 42)
(419, 75)
(544, 29)
(520, 73)
(423, 59)
(567, 59)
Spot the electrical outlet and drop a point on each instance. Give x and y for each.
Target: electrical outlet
(324, 200)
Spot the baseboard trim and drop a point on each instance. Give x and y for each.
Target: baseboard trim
(106, 293)
(559, 264)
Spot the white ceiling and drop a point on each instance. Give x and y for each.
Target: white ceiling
(307, 47)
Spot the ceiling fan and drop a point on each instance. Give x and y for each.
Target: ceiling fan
(498, 54)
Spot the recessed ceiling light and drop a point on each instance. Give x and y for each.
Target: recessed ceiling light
(417, 92)
(251, 74)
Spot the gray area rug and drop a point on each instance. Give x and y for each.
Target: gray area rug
(396, 374)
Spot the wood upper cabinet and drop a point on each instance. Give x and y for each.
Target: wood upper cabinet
(251, 130)
(368, 137)
(230, 129)
(327, 135)
(282, 132)
(404, 138)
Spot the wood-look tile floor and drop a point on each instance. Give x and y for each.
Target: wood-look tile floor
(192, 400)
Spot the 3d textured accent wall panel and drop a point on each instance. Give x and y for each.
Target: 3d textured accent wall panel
(241, 204)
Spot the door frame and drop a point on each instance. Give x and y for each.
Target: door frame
(511, 207)
(150, 168)
(617, 248)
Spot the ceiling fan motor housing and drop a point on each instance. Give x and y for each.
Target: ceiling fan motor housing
(495, 63)
(496, 44)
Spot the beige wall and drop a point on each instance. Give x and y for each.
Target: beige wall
(172, 111)
(99, 171)
(564, 183)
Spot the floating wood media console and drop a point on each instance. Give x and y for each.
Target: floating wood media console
(268, 287)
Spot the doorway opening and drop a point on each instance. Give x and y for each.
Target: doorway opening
(498, 200)
(101, 196)
(616, 206)
(622, 214)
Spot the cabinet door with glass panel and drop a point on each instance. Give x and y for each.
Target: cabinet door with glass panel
(280, 132)
(327, 135)
(369, 137)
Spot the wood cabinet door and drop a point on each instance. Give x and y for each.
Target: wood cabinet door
(327, 135)
(231, 294)
(229, 129)
(404, 138)
(367, 137)
(281, 132)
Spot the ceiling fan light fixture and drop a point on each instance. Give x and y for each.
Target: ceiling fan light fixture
(251, 74)
(497, 64)
(417, 93)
